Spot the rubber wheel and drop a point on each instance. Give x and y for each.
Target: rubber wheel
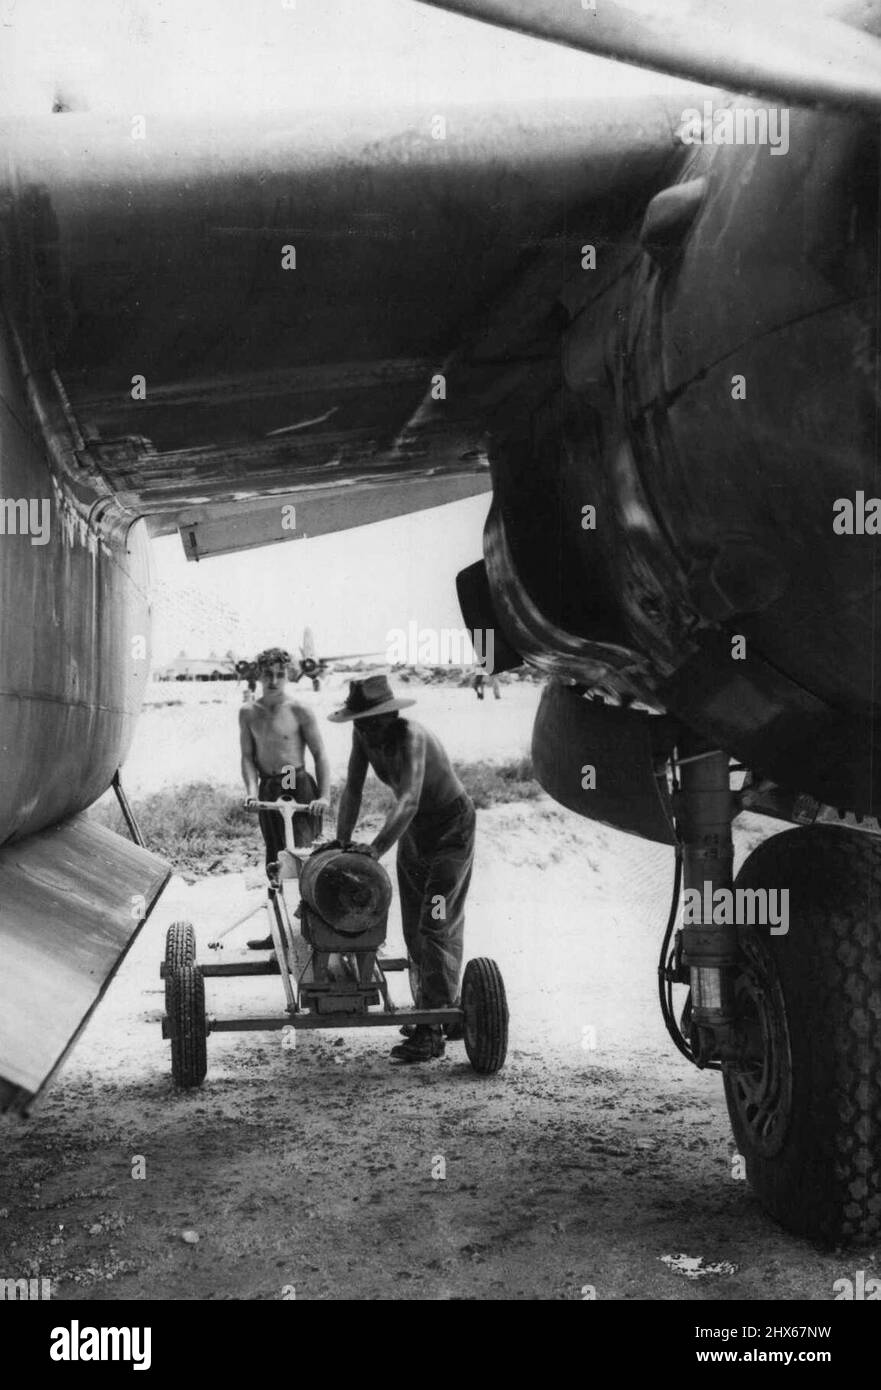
(806, 1110)
(485, 1010)
(180, 950)
(188, 1027)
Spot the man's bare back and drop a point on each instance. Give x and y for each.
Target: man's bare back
(393, 755)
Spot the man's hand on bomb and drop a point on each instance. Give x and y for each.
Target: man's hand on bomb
(369, 850)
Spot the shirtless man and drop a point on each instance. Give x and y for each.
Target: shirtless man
(274, 732)
(432, 823)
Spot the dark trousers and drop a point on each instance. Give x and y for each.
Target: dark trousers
(271, 787)
(435, 858)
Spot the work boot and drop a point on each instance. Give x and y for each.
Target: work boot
(426, 1043)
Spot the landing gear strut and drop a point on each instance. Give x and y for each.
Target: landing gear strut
(704, 810)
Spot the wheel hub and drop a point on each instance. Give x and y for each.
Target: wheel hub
(760, 1082)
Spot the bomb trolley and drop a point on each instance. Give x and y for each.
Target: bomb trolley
(331, 971)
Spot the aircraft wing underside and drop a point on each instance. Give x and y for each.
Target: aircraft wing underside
(321, 319)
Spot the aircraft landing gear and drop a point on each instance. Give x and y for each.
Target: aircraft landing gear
(704, 810)
(805, 1095)
(788, 1007)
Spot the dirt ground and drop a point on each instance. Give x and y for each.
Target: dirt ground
(593, 1161)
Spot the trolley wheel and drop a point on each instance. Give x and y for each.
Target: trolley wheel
(485, 1010)
(180, 950)
(188, 1027)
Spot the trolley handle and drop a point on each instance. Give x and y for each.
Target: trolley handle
(287, 808)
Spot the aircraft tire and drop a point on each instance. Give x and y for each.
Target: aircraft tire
(180, 950)
(188, 1027)
(807, 1116)
(485, 1009)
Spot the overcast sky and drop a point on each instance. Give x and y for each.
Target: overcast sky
(351, 588)
(222, 57)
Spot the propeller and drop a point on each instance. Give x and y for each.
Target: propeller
(743, 47)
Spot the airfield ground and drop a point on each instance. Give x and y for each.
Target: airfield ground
(596, 1159)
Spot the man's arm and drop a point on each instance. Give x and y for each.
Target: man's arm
(350, 801)
(250, 773)
(409, 792)
(315, 743)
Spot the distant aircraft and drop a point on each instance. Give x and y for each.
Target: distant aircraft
(184, 668)
(314, 666)
(650, 328)
(310, 663)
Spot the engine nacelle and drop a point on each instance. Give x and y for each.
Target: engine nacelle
(604, 762)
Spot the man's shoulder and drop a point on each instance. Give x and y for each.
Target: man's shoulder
(416, 733)
(302, 713)
(428, 741)
(246, 713)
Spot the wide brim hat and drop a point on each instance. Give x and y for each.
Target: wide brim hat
(368, 698)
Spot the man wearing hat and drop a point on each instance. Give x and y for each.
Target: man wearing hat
(432, 823)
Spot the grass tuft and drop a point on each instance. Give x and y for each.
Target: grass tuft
(202, 827)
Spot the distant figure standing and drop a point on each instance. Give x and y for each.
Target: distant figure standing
(479, 684)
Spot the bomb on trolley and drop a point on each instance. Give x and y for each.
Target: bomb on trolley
(331, 970)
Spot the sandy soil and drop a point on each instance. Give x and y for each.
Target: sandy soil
(311, 1169)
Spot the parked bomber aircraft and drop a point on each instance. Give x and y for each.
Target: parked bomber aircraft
(309, 664)
(659, 327)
